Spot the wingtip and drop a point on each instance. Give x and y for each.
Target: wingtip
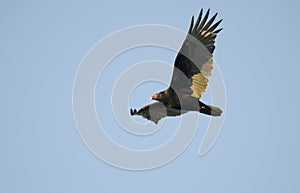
(192, 24)
(133, 112)
(215, 15)
(217, 31)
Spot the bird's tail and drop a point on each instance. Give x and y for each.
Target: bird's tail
(210, 110)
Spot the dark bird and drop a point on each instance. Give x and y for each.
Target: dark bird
(192, 67)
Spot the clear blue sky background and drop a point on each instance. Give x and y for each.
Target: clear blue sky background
(42, 45)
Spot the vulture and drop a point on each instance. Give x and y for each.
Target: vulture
(192, 67)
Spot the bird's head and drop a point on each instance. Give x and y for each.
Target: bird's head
(155, 97)
(158, 96)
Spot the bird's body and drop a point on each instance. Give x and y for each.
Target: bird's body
(192, 66)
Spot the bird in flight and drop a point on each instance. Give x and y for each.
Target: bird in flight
(192, 67)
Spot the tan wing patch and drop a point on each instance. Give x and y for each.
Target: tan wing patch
(205, 33)
(200, 81)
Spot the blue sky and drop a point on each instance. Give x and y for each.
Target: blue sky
(42, 45)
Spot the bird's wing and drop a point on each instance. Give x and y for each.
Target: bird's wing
(193, 63)
(155, 112)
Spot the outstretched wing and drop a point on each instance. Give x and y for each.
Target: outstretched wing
(155, 112)
(193, 63)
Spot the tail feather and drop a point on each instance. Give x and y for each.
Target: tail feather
(210, 110)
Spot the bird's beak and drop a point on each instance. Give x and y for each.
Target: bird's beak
(153, 97)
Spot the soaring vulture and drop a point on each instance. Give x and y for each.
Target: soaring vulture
(192, 67)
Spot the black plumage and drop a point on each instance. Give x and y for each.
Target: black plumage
(192, 67)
